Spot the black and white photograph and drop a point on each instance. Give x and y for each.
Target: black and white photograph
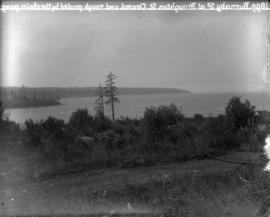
(135, 108)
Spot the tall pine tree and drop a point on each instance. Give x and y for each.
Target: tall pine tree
(111, 93)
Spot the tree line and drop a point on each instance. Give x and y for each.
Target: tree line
(26, 93)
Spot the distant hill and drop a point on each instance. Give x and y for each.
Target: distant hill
(66, 92)
(127, 91)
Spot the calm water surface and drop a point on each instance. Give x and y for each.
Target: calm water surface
(134, 105)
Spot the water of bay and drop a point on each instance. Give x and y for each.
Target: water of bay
(134, 105)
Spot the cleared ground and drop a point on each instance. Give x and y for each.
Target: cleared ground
(21, 192)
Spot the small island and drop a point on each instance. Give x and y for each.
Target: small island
(29, 102)
(13, 97)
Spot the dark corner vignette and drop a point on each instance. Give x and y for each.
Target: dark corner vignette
(135, 113)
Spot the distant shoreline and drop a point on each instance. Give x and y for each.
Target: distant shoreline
(127, 94)
(38, 106)
(33, 103)
(65, 92)
(50, 96)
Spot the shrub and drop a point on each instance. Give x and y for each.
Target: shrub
(81, 122)
(182, 132)
(218, 133)
(198, 117)
(55, 127)
(34, 133)
(157, 120)
(102, 123)
(6, 126)
(114, 141)
(241, 114)
(54, 139)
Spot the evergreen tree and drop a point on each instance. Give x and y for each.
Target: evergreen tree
(100, 102)
(111, 93)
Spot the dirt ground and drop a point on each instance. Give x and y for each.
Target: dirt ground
(23, 193)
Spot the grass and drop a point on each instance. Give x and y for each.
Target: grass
(235, 193)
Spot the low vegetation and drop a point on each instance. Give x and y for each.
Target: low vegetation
(236, 193)
(162, 135)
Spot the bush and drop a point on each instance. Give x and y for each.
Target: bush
(55, 127)
(198, 117)
(55, 140)
(182, 132)
(102, 124)
(81, 122)
(241, 114)
(157, 120)
(34, 133)
(219, 135)
(6, 126)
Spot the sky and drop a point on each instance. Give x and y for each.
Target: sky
(198, 51)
